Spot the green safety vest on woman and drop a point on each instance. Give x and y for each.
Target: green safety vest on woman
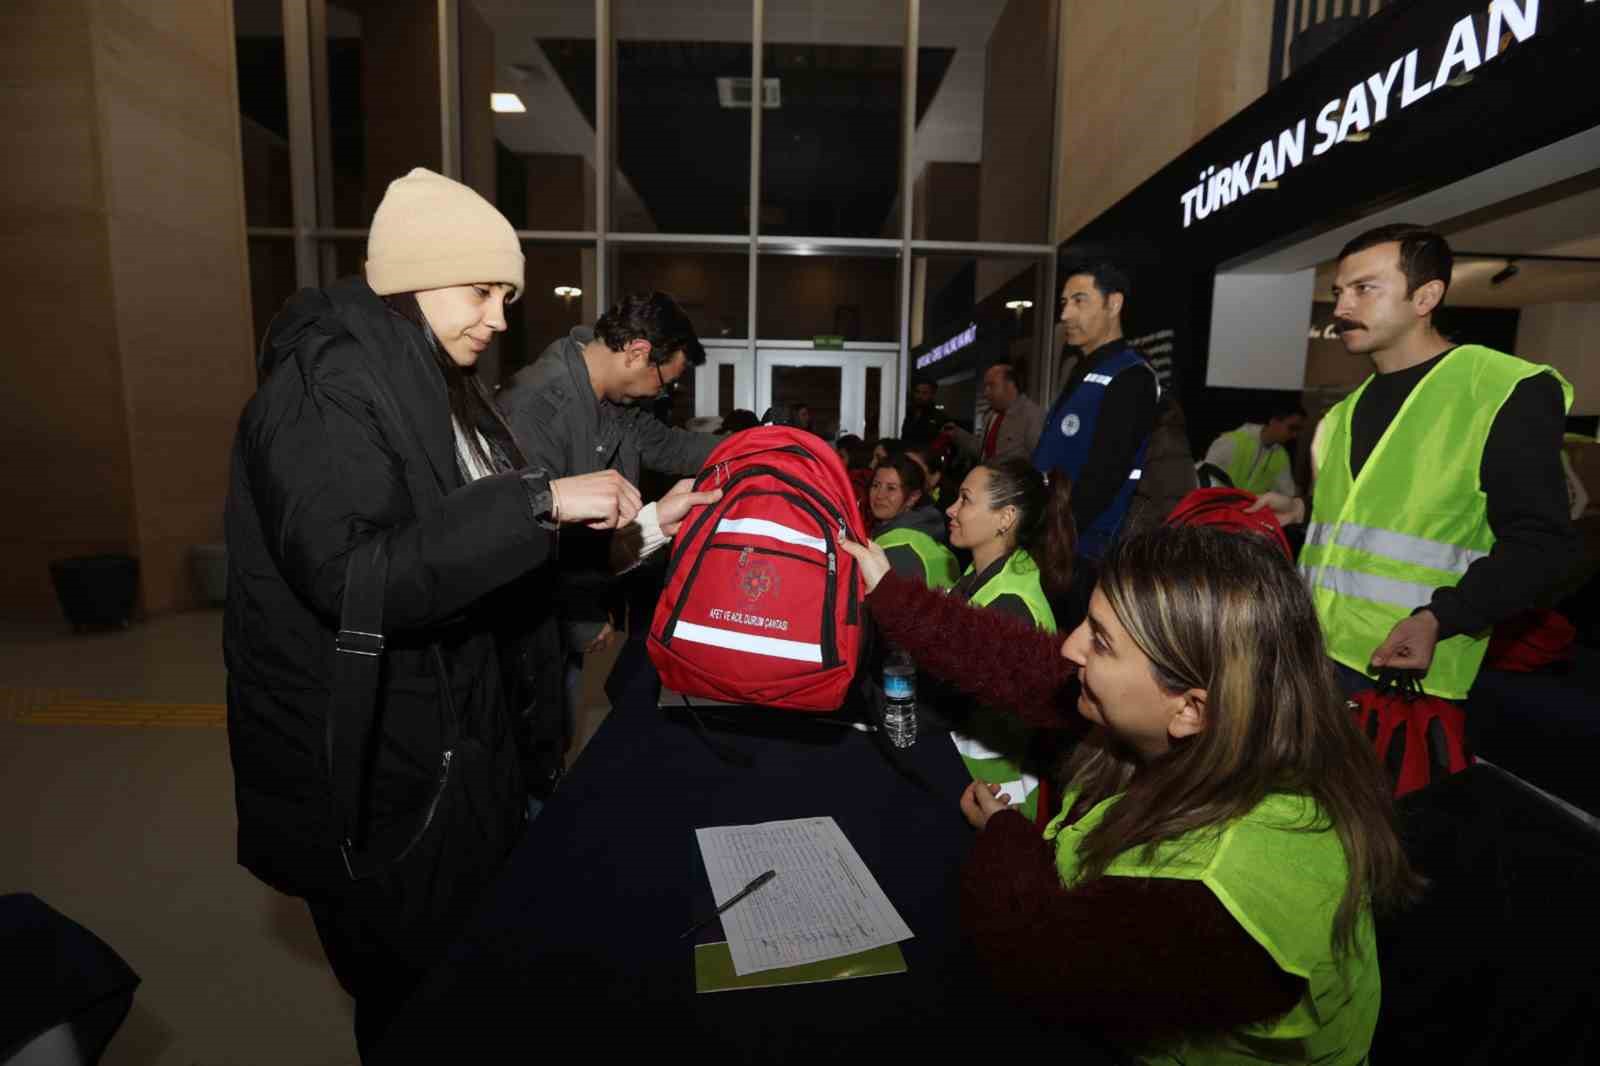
(1242, 470)
(939, 566)
(991, 742)
(1280, 871)
(1413, 521)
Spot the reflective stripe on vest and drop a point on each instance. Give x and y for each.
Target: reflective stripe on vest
(1005, 739)
(1420, 551)
(1069, 431)
(1381, 543)
(939, 567)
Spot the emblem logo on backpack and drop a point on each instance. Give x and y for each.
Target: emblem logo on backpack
(755, 579)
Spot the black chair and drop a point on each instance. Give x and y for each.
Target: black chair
(1212, 476)
(68, 991)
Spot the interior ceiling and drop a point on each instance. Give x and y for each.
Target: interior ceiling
(831, 161)
(831, 152)
(1562, 220)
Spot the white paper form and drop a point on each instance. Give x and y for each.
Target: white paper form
(823, 904)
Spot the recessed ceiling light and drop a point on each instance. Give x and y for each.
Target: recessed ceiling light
(566, 292)
(507, 103)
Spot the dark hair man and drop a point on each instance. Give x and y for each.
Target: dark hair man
(1099, 429)
(1015, 422)
(582, 406)
(1254, 455)
(926, 418)
(1440, 505)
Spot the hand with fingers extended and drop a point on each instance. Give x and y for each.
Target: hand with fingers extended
(672, 508)
(602, 500)
(872, 560)
(982, 801)
(1286, 509)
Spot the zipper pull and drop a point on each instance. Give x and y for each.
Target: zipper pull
(744, 556)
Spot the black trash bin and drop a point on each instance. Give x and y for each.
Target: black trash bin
(96, 590)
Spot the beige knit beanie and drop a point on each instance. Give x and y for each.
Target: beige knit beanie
(430, 233)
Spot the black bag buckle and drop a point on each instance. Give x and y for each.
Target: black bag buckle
(357, 642)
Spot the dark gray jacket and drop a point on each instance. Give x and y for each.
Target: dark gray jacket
(563, 429)
(552, 409)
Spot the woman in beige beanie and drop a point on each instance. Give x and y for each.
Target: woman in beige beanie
(377, 506)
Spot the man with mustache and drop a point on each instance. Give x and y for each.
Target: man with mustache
(1440, 505)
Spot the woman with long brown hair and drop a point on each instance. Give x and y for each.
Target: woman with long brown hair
(1206, 892)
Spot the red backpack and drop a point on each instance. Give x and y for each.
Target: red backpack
(761, 606)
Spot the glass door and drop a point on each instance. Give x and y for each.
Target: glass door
(727, 382)
(849, 390)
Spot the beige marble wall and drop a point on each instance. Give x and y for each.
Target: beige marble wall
(124, 276)
(1144, 80)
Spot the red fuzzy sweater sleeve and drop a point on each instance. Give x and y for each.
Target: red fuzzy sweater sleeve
(1135, 958)
(1001, 660)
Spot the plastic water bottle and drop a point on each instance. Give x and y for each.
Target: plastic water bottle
(900, 698)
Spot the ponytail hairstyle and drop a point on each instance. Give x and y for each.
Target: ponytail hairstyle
(471, 406)
(1044, 517)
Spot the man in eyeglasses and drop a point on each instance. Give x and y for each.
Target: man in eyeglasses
(584, 406)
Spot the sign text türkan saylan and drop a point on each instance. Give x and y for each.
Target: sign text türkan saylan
(1367, 103)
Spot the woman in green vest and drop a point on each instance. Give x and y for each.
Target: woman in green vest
(1206, 893)
(910, 531)
(1021, 536)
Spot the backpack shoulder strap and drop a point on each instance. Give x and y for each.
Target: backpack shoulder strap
(353, 699)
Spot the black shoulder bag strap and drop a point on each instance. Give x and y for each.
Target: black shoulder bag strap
(353, 701)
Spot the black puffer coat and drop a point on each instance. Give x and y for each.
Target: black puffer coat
(325, 460)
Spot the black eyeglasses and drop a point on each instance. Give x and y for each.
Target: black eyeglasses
(667, 388)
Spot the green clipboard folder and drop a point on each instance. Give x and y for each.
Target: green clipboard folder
(713, 969)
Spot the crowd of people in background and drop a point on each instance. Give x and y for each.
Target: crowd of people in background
(1142, 684)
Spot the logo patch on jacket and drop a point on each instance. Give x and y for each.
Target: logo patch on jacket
(1070, 425)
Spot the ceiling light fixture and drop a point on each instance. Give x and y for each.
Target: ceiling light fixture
(1018, 305)
(507, 104)
(1510, 271)
(567, 292)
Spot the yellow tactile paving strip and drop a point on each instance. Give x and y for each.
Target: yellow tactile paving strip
(59, 707)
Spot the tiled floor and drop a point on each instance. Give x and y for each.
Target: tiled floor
(116, 808)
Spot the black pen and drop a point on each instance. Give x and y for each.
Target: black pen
(741, 894)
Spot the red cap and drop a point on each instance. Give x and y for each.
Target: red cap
(1226, 508)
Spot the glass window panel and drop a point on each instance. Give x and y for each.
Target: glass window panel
(263, 113)
(818, 387)
(543, 315)
(980, 159)
(536, 165)
(874, 394)
(830, 149)
(854, 297)
(681, 102)
(960, 324)
(340, 258)
(272, 279)
(380, 117)
(712, 286)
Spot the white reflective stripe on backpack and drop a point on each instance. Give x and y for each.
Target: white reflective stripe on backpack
(728, 638)
(761, 527)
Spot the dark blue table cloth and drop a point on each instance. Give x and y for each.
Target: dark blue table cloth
(577, 948)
